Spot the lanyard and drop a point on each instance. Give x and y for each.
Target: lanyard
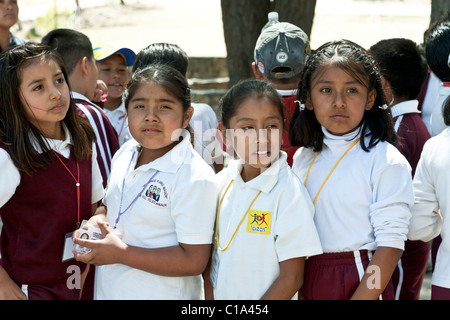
(135, 198)
(77, 184)
(217, 219)
(309, 169)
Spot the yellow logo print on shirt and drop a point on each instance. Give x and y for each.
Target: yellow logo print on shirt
(258, 222)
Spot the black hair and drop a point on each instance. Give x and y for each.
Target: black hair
(168, 77)
(16, 131)
(162, 53)
(437, 48)
(446, 111)
(72, 45)
(305, 130)
(402, 64)
(243, 90)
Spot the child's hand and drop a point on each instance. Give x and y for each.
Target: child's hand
(101, 92)
(108, 250)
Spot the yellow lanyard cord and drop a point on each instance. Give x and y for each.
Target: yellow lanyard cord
(217, 219)
(314, 159)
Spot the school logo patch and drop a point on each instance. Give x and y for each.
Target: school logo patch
(258, 222)
(156, 193)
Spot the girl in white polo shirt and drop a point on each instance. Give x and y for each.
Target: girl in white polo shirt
(160, 199)
(264, 223)
(358, 181)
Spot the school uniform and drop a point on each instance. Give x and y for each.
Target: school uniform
(429, 98)
(412, 134)
(364, 204)
(437, 124)
(176, 205)
(107, 141)
(204, 124)
(278, 226)
(432, 206)
(289, 97)
(38, 210)
(119, 120)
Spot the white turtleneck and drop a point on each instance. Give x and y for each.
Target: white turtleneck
(366, 201)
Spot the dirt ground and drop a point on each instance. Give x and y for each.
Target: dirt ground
(196, 25)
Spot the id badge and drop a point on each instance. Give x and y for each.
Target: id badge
(68, 247)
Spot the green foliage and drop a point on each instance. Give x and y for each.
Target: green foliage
(53, 19)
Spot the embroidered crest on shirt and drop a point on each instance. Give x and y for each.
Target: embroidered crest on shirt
(258, 222)
(155, 193)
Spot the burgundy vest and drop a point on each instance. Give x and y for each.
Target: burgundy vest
(37, 217)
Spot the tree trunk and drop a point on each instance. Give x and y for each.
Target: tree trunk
(439, 9)
(242, 23)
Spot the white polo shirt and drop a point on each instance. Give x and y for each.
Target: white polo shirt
(10, 177)
(431, 211)
(119, 120)
(177, 205)
(366, 201)
(279, 226)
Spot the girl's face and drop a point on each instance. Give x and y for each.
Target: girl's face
(338, 100)
(255, 133)
(154, 115)
(113, 71)
(45, 96)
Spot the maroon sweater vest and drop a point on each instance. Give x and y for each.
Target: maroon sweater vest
(37, 217)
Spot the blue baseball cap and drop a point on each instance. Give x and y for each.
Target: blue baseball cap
(102, 52)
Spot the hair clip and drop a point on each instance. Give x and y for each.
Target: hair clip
(301, 106)
(383, 107)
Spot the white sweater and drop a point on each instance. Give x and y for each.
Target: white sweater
(431, 206)
(366, 201)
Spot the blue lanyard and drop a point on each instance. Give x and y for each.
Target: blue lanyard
(135, 198)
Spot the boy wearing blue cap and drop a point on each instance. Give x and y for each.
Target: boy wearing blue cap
(112, 64)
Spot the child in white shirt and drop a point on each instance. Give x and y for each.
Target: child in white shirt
(359, 182)
(160, 200)
(264, 223)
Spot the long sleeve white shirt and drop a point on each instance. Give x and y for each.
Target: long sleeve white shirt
(366, 201)
(431, 205)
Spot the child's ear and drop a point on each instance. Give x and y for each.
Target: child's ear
(256, 72)
(84, 67)
(371, 99)
(187, 116)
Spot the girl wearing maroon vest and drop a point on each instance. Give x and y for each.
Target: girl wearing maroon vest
(49, 182)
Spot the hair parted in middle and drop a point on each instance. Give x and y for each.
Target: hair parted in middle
(306, 131)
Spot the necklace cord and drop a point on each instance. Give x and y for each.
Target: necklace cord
(240, 222)
(334, 167)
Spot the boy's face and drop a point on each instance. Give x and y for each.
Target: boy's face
(9, 12)
(113, 71)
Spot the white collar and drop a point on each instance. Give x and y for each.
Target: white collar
(266, 180)
(60, 146)
(336, 144)
(444, 91)
(404, 107)
(287, 93)
(76, 95)
(173, 159)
